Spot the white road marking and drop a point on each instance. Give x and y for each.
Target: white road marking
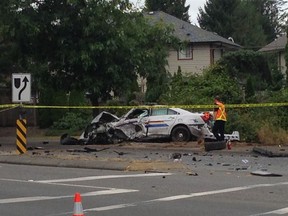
(59, 184)
(117, 191)
(278, 212)
(178, 197)
(41, 198)
(89, 178)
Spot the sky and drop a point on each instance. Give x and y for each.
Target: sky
(193, 10)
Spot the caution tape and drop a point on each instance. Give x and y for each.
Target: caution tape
(7, 107)
(145, 106)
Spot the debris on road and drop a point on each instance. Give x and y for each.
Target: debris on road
(34, 148)
(192, 173)
(270, 152)
(66, 139)
(265, 174)
(175, 156)
(119, 153)
(86, 150)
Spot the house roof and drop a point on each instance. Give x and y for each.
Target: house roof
(186, 31)
(277, 45)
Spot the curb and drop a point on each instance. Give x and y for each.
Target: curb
(88, 163)
(55, 162)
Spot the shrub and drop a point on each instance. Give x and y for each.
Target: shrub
(268, 134)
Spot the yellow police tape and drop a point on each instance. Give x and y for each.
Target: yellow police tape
(145, 106)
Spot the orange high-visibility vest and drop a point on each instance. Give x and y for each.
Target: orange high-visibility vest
(220, 112)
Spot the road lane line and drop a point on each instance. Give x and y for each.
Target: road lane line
(186, 196)
(89, 178)
(43, 198)
(57, 184)
(278, 212)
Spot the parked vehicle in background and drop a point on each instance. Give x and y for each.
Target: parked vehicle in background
(155, 122)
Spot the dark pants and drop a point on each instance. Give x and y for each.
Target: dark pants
(218, 130)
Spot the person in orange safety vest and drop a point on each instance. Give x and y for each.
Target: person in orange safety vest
(220, 118)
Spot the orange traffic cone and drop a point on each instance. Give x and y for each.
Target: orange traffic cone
(78, 209)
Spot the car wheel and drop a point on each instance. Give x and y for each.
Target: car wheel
(216, 145)
(180, 134)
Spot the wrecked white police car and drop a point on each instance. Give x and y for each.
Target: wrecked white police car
(141, 124)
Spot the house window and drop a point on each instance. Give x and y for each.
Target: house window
(185, 53)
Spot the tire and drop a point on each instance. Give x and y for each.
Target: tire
(180, 134)
(216, 145)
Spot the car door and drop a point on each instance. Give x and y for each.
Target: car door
(160, 120)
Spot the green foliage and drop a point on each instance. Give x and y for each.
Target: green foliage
(251, 122)
(226, 79)
(72, 121)
(249, 90)
(245, 121)
(116, 103)
(218, 16)
(48, 116)
(175, 8)
(246, 64)
(51, 96)
(286, 56)
(94, 46)
(262, 20)
(278, 79)
(200, 89)
(278, 115)
(251, 23)
(157, 84)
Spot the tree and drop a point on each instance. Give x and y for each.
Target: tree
(262, 20)
(246, 64)
(272, 16)
(219, 16)
(249, 21)
(201, 88)
(98, 46)
(175, 8)
(8, 49)
(286, 57)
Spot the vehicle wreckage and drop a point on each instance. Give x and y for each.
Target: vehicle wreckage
(140, 124)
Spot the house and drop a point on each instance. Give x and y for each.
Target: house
(203, 48)
(278, 46)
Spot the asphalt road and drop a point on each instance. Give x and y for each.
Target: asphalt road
(164, 179)
(49, 191)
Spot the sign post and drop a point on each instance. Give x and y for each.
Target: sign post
(21, 92)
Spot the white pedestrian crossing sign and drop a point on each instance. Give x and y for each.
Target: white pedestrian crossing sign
(21, 88)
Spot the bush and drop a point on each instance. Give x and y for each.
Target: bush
(243, 120)
(71, 120)
(268, 134)
(201, 89)
(54, 97)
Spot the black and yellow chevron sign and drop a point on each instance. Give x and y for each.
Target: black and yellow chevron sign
(21, 141)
